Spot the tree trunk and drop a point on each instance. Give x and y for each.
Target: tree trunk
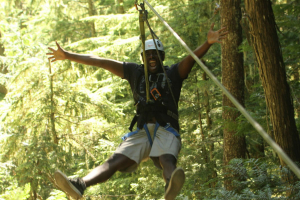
(233, 80)
(120, 7)
(295, 67)
(92, 13)
(273, 75)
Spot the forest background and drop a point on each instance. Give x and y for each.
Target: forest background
(71, 117)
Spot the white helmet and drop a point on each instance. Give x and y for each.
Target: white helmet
(149, 45)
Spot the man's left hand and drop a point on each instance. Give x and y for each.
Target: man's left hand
(216, 36)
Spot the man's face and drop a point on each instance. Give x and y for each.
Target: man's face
(152, 60)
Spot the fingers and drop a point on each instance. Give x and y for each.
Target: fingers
(222, 29)
(51, 59)
(224, 33)
(51, 49)
(52, 54)
(58, 46)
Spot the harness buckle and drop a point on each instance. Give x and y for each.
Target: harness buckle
(155, 93)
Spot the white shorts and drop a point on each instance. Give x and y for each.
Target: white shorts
(137, 147)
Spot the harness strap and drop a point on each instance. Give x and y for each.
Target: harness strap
(168, 112)
(167, 128)
(133, 121)
(148, 133)
(127, 135)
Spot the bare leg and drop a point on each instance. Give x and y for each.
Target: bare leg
(174, 177)
(168, 163)
(106, 170)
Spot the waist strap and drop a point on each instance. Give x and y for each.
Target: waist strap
(167, 128)
(168, 112)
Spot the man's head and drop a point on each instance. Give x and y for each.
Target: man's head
(152, 58)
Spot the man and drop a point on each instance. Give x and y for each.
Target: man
(157, 134)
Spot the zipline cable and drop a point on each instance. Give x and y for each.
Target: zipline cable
(256, 125)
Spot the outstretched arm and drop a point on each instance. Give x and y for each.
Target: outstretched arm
(115, 67)
(188, 62)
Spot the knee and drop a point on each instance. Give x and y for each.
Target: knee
(167, 160)
(119, 162)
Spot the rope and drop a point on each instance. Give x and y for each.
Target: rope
(256, 125)
(143, 17)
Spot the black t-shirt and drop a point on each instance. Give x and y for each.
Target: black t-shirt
(134, 74)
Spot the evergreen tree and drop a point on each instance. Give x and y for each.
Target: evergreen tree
(273, 74)
(233, 80)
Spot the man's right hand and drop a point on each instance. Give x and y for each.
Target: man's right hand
(58, 54)
(115, 67)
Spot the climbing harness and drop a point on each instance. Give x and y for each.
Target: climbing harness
(156, 107)
(150, 139)
(256, 125)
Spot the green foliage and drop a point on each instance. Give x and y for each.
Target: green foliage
(9, 188)
(92, 108)
(16, 193)
(2, 96)
(57, 195)
(256, 178)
